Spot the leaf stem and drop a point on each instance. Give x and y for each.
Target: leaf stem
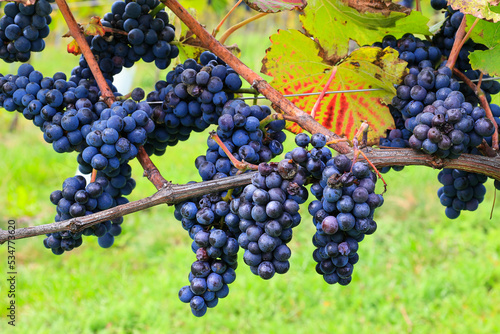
(216, 30)
(320, 97)
(237, 26)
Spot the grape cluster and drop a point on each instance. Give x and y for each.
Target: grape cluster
(265, 213)
(77, 199)
(460, 191)
(73, 119)
(62, 109)
(192, 98)
(418, 53)
(436, 113)
(343, 215)
(343, 211)
(215, 248)
(147, 38)
(239, 129)
(116, 136)
(23, 28)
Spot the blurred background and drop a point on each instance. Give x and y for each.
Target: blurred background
(419, 273)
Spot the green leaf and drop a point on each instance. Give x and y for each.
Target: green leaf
(275, 6)
(199, 6)
(295, 62)
(487, 33)
(219, 6)
(333, 23)
(415, 23)
(486, 61)
(479, 8)
(187, 51)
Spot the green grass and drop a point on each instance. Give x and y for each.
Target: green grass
(419, 273)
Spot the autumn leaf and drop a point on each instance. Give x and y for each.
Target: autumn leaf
(295, 63)
(73, 48)
(94, 27)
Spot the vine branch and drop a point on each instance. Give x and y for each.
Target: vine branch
(172, 194)
(87, 53)
(282, 104)
(150, 169)
(457, 44)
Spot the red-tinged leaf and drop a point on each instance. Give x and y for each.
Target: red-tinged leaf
(294, 62)
(275, 6)
(376, 6)
(94, 27)
(73, 48)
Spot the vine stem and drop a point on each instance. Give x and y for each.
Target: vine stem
(275, 117)
(418, 8)
(173, 194)
(114, 31)
(480, 81)
(237, 26)
(216, 30)
(282, 104)
(93, 175)
(157, 9)
(150, 169)
(325, 89)
(457, 45)
(484, 103)
(241, 165)
(77, 34)
(468, 33)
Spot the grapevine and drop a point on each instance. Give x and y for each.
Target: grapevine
(249, 196)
